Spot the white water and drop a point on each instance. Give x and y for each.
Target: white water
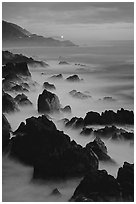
(98, 82)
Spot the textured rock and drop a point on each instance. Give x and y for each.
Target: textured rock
(8, 103)
(50, 151)
(48, 102)
(49, 86)
(22, 100)
(73, 78)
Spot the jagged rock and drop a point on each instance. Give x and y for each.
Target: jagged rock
(17, 68)
(8, 103)
(75, 123)
(99, 149)
(48, 102)
(123, 136)
(50, 151)
(18, 88)
(6, 128)
(63, 63)
(66, 109)
(79, 95)
(97, 186)
(22, 100)
(58, 76)
(74, 78)
(125, 177)
(86, 131)
(110, 117)
(47, 85)
(8, 57)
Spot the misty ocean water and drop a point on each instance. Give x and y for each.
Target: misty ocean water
(107, 71)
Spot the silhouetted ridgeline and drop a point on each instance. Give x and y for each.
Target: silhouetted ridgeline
(108, 117)
(15, 36)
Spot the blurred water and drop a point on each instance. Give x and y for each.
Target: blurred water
(101, 77)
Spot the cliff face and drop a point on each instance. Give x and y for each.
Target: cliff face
(15, 36)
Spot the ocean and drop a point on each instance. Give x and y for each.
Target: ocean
(107, 71)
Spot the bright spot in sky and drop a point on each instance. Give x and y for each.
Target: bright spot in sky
(62, 36)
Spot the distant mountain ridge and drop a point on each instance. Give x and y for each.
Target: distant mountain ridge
(16, 36)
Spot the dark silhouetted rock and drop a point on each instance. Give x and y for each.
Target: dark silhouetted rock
(73, 78)
(8, 57)
(47, 85)
(56, 192)
(63, 63)
(58, 76)
(48, 102)
(50, 151)
(17, 68)
(107, 131)
(97, 186)
(125, 177)
(6, 128)
(92, 118)
(110, 117)
(75, 123)
(79, 95)
(123, 136)
(99, 149)
(86, 131)
(8, 103)
(66, 109)
(22, 100)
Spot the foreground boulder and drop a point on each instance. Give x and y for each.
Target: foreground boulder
(6, 129)
(97, 186)
(22, 100)
(8, 103)
(48, 102)
(99, 149)
(49, 86)
(125, 177)
(50, 151)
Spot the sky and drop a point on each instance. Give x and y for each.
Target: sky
(80, 22)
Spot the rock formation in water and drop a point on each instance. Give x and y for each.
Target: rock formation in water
(125, 178)
(56, 77)
(6, 129)
(47, 85)
(99, 186)
(73, 78)
(86, 131)
(22, 100)
(8, 103)
(50, 151)
(110, 117)
(99, 149)
(66, 109)
(63, 63)
(48, 102)
(8, 57)
(79, 95)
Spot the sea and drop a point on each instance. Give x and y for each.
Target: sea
(107, 70)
